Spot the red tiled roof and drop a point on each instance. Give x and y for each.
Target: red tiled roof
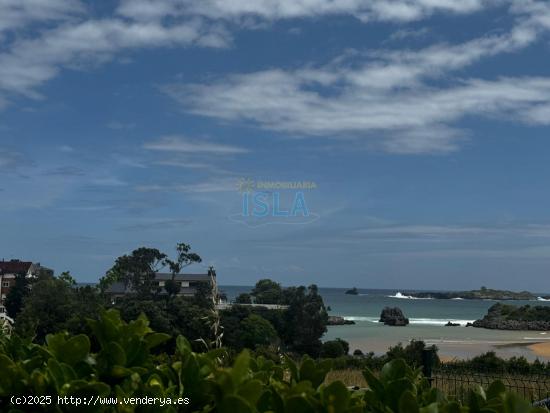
(14, 267)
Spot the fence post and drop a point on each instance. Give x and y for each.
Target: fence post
(427, 363)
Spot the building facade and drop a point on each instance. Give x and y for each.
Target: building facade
(188, 283)
(9, 270)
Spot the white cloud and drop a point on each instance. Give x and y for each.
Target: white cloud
(212, 186)
(402, 232)
(66, 148)
(366, 10)
(116, 125)
(30, 62)
(10, 160)
(108, 181)
(415, 119)
(16, 14)
(182, 144)
(391, 96)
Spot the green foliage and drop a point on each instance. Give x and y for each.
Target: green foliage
(243, 298)
(299, 327)
(490, 362)
(305, 320)
(257, 331)
(67, 277)
(16, 295)
(125, 365)
(55, 304)
(46, 309)
(521, 313)
(334, 348)
(412, 353)
(267, 292)
(136, 270)
(176, 316)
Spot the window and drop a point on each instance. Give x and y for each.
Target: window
(6, 284)
(161, 283)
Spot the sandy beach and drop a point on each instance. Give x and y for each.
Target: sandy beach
(541, 350)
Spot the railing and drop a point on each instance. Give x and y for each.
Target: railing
(457, 383)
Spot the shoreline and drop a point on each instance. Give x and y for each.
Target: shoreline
(541, 349)
(449, 350)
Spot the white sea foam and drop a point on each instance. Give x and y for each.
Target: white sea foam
(542, 299)
(416, 321)
(407, 297)
(358, 318)
(438, 321)
(457, 298)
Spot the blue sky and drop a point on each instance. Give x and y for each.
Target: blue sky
(423, 124)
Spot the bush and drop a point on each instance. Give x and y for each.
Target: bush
(334, 348)
(126, 365)
(244, 298)
(257, 331)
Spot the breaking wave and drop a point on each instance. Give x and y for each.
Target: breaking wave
(407, 297)
(415, 321)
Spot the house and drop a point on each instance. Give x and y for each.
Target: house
(189, 283)
(9, 270)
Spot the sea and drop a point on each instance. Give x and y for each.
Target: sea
(427, 322)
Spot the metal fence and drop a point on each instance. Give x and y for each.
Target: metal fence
(456, 383)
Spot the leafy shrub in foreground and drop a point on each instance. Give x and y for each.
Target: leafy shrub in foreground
(125, 366)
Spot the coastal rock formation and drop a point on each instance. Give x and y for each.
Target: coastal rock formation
(353, 291)
(334, 320)
(393, 316)
(509, 317)
(483, 293)
(450, 324)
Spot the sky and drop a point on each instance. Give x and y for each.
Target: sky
(419, 127)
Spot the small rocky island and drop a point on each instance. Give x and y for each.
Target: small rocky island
(393, 316)
(353, 291)
(483, 293)
(334, 320)
(511, 317)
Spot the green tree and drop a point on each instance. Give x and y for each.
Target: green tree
(184, 258)
(86, 304)
(267, 292)
(257, 331)
(305, 320)
(203, 296)
(243, 298)
(16, 295)
(190, 320)
(46, 309)
(131, 308)
(136, 270)
(68, 278)
(334, 348)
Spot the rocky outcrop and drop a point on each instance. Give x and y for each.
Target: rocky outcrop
(353, 291)
(481, 294)
(507, 317)
(393, 316)
(512, 325)
(334, 320)
(450, 324)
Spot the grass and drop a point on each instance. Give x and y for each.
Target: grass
(457, 385)
(350, 377)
